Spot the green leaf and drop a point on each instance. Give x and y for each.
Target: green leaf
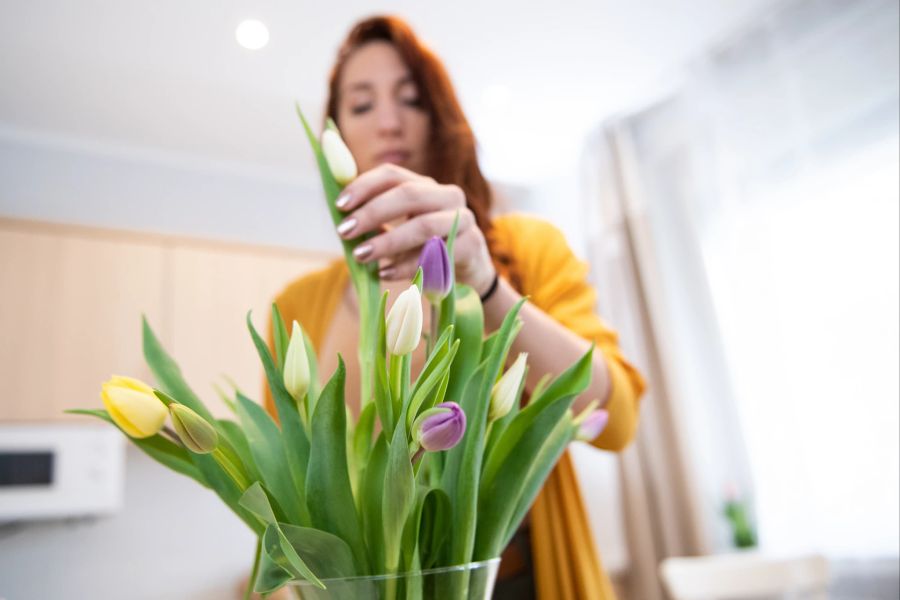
(447, 312)
(296, 443)
(226, 488)
(464, 462)
(550, 453)
(255, 500)
(330, 185)
(280, 335)
(280, 562)
(371, 502)
(157, 447)
(235, 436)
(499, 497)
(325, 554)
(362, 436)
(568, 385)
(399, 495)
(291, 552)
(225, 398)
(437, 364)
(329, 496)
(383, 401)
(168, 374)
(468, 329)
(267, 448)
(312, 393)
(435, 527)
(461, 471)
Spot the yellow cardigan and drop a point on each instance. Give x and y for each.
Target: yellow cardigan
(534, 257)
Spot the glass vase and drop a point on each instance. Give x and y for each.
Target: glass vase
(473, 581)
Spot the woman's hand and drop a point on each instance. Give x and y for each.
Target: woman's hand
(406, 210)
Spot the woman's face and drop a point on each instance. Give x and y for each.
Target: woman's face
(379, 110)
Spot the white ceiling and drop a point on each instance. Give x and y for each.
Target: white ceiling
(167, 76)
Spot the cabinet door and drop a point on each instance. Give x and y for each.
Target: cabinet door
(70, 316)
(212, 290)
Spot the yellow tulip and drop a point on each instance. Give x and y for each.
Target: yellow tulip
(133, 407)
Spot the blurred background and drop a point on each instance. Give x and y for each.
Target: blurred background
(728, 168)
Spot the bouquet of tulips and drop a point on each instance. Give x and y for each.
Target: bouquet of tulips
(436, 471)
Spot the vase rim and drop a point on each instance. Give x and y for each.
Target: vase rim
(491, 562)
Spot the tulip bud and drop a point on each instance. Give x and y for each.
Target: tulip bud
(592, 425)
(437, 274)
(507, 388)
(404, 323)
(338, 157)
(440, 428)
(133, 406)
(296, 365)
(193, 430)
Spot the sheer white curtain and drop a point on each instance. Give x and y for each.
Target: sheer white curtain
(759, 210)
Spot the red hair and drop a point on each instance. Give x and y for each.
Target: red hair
(452, 157)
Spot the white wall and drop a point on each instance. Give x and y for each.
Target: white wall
(72, 180)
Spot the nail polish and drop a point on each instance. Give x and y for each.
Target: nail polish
(342, 201)
(346, 227)
(386, 273)
(360, 252)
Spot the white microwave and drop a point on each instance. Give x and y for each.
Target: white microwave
(60, 470)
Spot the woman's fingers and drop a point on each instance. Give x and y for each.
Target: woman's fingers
(401, 267)
(412, 234)
(373, 182)
(408, 199)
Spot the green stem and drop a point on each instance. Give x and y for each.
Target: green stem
(255, 571)
(233, 471)
(368, 291)
(404, 383)
(433, 327)
(396, 388)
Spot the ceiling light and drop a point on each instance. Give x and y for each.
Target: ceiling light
(252, 34)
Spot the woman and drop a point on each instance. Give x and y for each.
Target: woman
(398, 113)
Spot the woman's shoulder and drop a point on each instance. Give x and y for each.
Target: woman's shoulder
(522, 235)
(535, 256)
(517, 224)
(528, 241)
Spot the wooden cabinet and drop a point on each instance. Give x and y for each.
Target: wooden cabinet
(71, 301)
(212, 289)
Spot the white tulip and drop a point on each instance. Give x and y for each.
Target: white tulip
(404, 323)
(296, 365)
(506, 389)
(338, 157)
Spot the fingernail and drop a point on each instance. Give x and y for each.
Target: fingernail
(346, 227)
(386, 273)
(342, 201)
(360, 252)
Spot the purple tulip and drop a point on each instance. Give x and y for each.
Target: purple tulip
(441, 427)
(437, 274)
(592, 426)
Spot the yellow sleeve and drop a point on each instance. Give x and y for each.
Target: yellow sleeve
(556, 280)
